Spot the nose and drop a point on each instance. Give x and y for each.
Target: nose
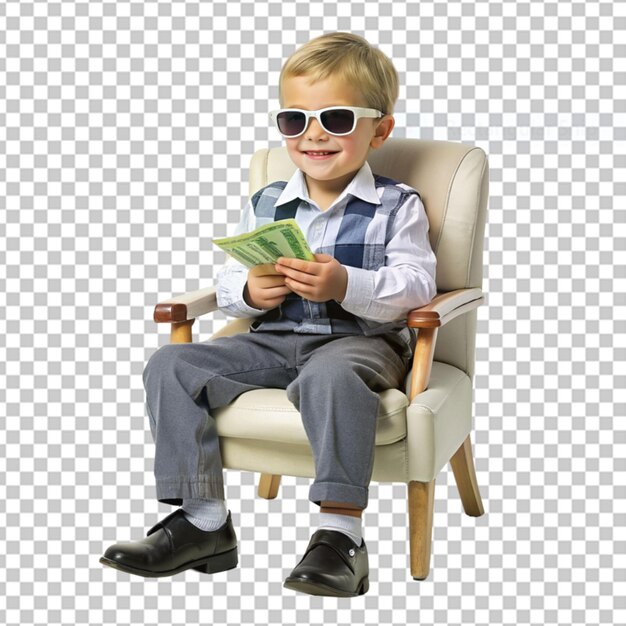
(314, 129)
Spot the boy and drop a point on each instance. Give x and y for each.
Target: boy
(330, 331)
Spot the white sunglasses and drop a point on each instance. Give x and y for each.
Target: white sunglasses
(336, 121)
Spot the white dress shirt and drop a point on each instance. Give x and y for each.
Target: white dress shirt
(405, 282)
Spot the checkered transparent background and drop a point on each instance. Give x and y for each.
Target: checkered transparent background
(126, 130)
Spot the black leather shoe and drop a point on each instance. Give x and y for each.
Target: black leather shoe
(333, 565)
(174, 545)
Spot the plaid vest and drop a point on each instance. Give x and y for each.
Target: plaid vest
(361, 241)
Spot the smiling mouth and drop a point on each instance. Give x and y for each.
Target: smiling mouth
(318, 153)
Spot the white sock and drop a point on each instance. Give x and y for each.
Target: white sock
(346, 524)
(209, 514)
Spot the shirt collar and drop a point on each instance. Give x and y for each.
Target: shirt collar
(362, 186)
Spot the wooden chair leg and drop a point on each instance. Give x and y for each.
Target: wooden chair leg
(268, 486)
(421, 508)
(465, 475)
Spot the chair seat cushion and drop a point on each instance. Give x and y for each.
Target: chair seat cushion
(268, 415)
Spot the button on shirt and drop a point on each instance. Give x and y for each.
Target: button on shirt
(407, 280)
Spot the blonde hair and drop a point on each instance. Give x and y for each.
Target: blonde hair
(350, 58)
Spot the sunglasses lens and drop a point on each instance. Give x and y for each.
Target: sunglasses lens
(338, 121)
(290, 122)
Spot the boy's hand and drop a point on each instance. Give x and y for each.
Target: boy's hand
(265, 288)
(320, 280)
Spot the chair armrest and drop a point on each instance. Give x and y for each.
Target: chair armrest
(445, 307)
(187, 306)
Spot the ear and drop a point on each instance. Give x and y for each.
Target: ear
(383, 130)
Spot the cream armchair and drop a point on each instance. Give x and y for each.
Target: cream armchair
(425, 425)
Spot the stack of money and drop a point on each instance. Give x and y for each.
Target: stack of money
(267, 243)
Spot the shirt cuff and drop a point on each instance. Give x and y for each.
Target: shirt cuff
(246, 311)
(360, 291)
(231, 302)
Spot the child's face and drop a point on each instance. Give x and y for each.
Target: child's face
(329, 175)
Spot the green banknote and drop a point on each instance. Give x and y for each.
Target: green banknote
(266, 243)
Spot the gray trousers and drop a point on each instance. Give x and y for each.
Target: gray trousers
(333, 380)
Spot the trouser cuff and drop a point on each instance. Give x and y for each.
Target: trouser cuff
(337, 492)
(173, 491)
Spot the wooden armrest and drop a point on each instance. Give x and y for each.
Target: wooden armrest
(187, 306)
(445, 307)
